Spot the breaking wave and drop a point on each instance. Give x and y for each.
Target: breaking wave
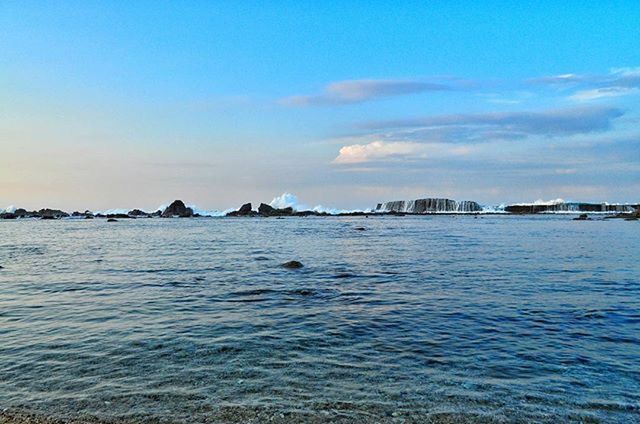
(286, 200)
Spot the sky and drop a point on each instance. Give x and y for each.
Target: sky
(345, 104)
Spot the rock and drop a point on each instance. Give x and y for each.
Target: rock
(21, 213)
(570, 207)
(245, 210)
(52, 214)
(112, 220)
(177, 208)
(292, 265)
(360, 229)
(582, 217)
(119, 216)
(266, 210)
(139, 213)
(428, 205)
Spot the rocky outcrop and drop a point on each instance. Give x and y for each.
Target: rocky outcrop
(245, 210)
(570, 207)
(137, 213)
(177, 208)
(266, 210)
(85, 214)
(52, 214)
(429, 205)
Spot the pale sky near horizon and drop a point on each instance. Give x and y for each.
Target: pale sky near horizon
(120, 104)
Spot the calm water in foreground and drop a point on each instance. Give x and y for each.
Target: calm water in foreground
(416, 318)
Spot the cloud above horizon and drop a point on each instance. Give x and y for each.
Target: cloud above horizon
(481, 127)
(618, 82)
(359, 91)
(455, 135)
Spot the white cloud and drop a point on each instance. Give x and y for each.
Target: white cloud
(376, 150)
(597, 93)
(358, 91)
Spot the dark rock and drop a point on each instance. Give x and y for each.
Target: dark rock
(21, 213)
(310, 213)
(139, 213)
(428, 205)
(245, 210)
(84, 214)
(52, 214)
(266, 210)
(571, 207)
(177, 208)
(112, 220)
(8, 215)
(582, 217)
(360, 229)
(292, 265)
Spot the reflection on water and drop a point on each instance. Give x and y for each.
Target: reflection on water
(503, 318)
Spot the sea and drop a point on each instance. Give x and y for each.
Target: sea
(436, 318)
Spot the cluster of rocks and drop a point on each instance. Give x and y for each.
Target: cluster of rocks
(175, 209)
(429, 205)
(42, 214)
(265, 210)
(574, 207)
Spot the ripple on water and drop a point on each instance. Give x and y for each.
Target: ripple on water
(415, 319)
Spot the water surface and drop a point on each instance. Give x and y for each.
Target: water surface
(496, 318)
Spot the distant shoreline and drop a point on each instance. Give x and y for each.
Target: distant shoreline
(418, 207)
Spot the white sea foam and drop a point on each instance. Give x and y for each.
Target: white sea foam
(9, 209)
(541, 202)
(290, 200)
(114, 211)
(213, 213)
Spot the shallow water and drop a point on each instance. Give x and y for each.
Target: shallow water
(500, 318)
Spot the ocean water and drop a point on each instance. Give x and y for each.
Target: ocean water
(415, 319)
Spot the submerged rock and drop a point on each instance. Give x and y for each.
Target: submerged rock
(360, 229)
(582, 217)
(292, 265)
(177, 208)
(112, 220)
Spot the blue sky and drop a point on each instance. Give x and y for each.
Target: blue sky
(132, 104)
